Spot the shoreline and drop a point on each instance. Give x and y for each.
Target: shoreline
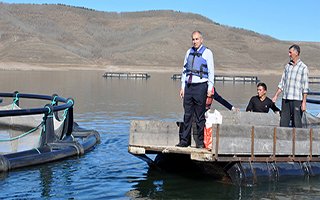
(126, 68)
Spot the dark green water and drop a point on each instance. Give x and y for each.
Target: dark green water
(109, 171)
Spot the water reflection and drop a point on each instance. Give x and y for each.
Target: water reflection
(163, 185)
(46, 180)
(3, 176)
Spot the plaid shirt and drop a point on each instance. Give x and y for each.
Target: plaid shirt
(294, 81)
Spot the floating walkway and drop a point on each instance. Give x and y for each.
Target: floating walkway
(313, 100)
(223, 78)
(33, 136)
(246, 147)
(314, 79)
(124, 75)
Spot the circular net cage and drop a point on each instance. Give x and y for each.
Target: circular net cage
(21, 133)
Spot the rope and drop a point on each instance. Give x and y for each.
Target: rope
(15, 100)
(41, 124)
(53, 102)
(22, 135)
(30, 131)
(65, 112)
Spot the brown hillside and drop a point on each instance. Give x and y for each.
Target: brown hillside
(59, 35)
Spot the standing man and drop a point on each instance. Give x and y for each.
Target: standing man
(197, 83)
(260, 102)
(294, 85)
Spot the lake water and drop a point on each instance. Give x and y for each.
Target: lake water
(109, 171)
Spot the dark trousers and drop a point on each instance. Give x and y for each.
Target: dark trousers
(291, 109)
(194, 104)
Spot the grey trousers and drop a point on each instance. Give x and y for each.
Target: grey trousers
(291, 110)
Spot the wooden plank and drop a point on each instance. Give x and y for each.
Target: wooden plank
(205, 155)
(201, 156)
(137, 150)
(167, 149)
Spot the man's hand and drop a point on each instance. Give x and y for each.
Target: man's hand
(274, 99)
(181, 93)
(210, 92)
(304, 103)
(303, 106)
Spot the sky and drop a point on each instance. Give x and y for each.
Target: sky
(291, 20)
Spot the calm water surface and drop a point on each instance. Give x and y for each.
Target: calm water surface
(109, 171)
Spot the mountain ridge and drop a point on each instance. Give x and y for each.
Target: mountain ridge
(57, 35)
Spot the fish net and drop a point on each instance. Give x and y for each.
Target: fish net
(310, 121)
(20, 133)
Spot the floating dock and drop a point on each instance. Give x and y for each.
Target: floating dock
(124, 75)
(314, 79)
(313, 100)
(245, 147)
(253, 79)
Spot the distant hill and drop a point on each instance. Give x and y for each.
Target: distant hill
(60, 35)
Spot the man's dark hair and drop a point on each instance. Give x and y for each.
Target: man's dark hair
(295, 47)
(262, 85)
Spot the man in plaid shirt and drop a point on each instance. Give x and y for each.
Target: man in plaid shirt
(294, 85)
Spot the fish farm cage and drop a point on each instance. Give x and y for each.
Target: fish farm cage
(31, 136)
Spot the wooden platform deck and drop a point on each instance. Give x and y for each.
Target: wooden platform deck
(245, 137)
(129, 75)
(227, 78)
